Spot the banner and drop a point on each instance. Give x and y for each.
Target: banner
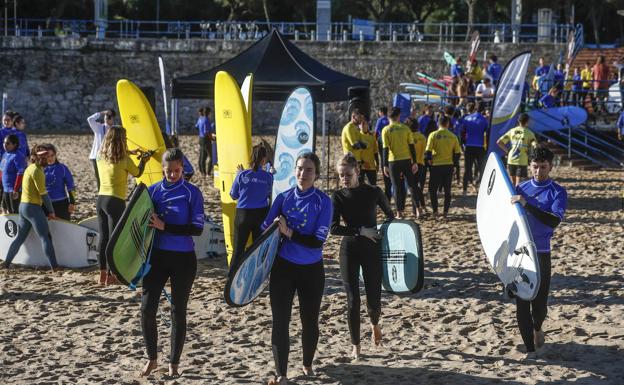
(507, 98)
(367, 27)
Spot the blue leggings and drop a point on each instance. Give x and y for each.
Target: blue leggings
(31, 215)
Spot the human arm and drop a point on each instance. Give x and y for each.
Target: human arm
(235, 190)
(336, 228)
(318, 237)
(188, 229)
(93, 124)
(549, 219)
(47, 203)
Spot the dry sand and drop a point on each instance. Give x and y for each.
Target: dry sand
(457, 330)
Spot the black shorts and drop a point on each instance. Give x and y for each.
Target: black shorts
(516, 170)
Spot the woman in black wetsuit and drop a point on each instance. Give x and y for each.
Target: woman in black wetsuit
(357, 204)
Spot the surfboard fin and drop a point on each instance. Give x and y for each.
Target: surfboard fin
(510, 290)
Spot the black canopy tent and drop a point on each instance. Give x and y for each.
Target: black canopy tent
(278, 67)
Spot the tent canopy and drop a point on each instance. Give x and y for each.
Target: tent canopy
(278, 67)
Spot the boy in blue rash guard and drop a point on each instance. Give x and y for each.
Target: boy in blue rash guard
(545, 203)
(494, 70)
(60, 185)
(12, 166)
(383, 121)
(205, 139)
(178, 216)
(304, 214)
(252, 192)
(472, 130)
(19, 124)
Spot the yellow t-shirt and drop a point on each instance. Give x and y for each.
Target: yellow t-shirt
(442, 144)
(521, 139)
(476, 74)
(33, 185)
(419, 144)
(350, 135)
(368, 154)
(586, 76)
(397, 138)
(114, 176)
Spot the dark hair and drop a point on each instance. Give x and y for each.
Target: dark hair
(10, 113)
(541, 154)
(356, 111)
(383, 110)
(173, 154)
(110, 113)
(50, 147)
(412, 123)
(17, 119)
(471, 107)
(493, 58)
(317, 162)
(36, 159)
(258, 153)
(13, 139)
(449, 110)
(202, 111)
(486, 80)
(444, 121)
(395, 112)
(348, 160)
(524, 118)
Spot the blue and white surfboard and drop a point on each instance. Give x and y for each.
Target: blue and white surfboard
(402, 256)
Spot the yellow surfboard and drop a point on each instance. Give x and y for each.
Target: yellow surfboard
(142, 130)
(233, 146)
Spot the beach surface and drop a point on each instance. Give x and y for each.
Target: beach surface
(62, 328)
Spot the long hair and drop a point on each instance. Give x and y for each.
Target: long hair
(258, 154)
(114, 147)
(52, 148)
(41, 161)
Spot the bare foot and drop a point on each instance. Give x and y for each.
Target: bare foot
(112, 280)
(308, 371)
(355, 353)
(103, 275)
(149, 367)
(376, 335)
(278, 381)
(173, 370)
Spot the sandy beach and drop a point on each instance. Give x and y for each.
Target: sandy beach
(64, 329)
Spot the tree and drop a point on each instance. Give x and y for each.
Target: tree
(471, 7)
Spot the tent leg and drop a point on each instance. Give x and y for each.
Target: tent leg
(323, 147)
(174, 118)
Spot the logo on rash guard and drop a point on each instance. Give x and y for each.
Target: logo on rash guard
(323, 231)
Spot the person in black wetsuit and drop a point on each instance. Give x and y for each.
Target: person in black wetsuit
(356, 203)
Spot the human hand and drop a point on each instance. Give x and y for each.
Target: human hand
(156, 222)
(370, 233)
(386, 171)
(52, 216)
(14, 195)
(414, 168)
(283, 227)
(518, 199)
(71, 208)
(239, 168)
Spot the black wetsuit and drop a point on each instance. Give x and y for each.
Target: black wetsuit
(358, 208)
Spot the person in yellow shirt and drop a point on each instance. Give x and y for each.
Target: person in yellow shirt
(369, 155)
(419, 146)
(399, 157)
(114, 165)
(521, 140)
(475, 73)
(351, 138)
(586, 77)
(31, 214)
(442, 153)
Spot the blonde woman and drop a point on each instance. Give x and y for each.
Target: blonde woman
(113, 165)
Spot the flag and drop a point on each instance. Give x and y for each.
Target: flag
(508, 97)
(474, 46)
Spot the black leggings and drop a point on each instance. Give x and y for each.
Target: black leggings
(205, 155)
(61, 209)
(371, 175)
(97, 174)
(109, 210)
(356, 252)
(531, 314)
(421, 176)
(309, 282)
(440, 176)
(396, 169)
(473, 156)
(180, 267)
(247, 221)
(9, 204)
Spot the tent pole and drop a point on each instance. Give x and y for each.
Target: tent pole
(324, 134)
(174, 117)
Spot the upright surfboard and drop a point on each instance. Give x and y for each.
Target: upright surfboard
(74, 245)
(233, 146)
(295, 136)
(504, 232)
(131, 241)
(142, 130)
(211, 242)
(402, 256)
(252, 274)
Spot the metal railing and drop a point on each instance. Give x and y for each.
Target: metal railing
(251, 30)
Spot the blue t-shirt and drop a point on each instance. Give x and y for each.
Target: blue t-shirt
(494, 71)
(203, 125)
(57, 178)
(381, 123)
(457, 70)
(252, 189)
(473, 127)
(179, 203)
(577, 83)
(13, 163)
(423, 122)
(549, 101)
(23, 142)
(547, 196)
(558, 77)
(543, 70)
(308, 213)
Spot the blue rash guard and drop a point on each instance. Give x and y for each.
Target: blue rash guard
(252, 189)
(308, 213)
(548, 197)
(472, 128)
(23, 142)
(12, 165)
(381, 123)
(543, 70)
(3, 133)
(203, 125)
(181, 206)
(423, 122)
(549, 101)
(57, 179)
(457, 70)
(494, 70)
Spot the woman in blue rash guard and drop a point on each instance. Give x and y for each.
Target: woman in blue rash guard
(545, 203)
(60, 185)
(304, 214)
(252, 191)
(178, 216)
(12, 166)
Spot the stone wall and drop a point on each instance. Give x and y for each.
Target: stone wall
(57, 82)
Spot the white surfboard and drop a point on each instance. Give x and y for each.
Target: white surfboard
(505, 233)
(295, 135)
(75, 246)
(210, 244)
